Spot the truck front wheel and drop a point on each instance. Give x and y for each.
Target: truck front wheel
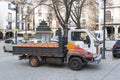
(75, 63)
(34, 62)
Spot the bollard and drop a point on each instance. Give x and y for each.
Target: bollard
(101, 52)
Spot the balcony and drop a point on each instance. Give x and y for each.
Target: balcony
(10, 20)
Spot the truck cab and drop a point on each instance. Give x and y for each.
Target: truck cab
(83, 45)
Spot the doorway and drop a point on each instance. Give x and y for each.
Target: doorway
(110, 30)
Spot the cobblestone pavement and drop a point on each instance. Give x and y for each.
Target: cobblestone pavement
(13, 69)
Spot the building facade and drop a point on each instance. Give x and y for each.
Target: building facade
(8, 17)
(112, 17)
(89, 15)
(42, 12)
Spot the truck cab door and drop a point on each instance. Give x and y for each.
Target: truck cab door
(82, 39)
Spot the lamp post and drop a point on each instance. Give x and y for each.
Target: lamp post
(16, 10)
(103, 55)
(16, 24)
(112, 25)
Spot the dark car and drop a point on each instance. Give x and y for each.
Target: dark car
(116, 49)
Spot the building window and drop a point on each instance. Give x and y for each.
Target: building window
(9, 16)
(21, 10)
(28, 26)
(18, 26)
(22, 26)
(39, 9)
(83, 15)
(84, 21)
(97, 19)
(108, 16)
(39, 14)
(29, 19)
(22, 17)
(9, 25)
(18, 17)
(28, 9)
(109, 2)
(29, 1)
(9, 6)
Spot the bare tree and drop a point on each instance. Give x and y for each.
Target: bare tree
(76, 12)
(62, 9)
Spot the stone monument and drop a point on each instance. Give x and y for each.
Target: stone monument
(44, 32)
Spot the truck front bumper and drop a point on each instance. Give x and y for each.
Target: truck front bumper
(97, 59)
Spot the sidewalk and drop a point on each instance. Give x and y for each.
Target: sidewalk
(109, 68)
(114, 65)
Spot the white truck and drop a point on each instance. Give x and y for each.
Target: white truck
(77, 49)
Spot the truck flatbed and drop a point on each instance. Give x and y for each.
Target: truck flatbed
(44, 49)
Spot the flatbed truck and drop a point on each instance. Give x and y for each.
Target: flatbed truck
(78, 48)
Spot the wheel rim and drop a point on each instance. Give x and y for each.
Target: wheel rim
(74, 64)
(33, 62)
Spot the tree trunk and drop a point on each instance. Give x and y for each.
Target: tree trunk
(65, 32)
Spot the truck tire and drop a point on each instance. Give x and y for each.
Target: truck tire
(75, 63)
(34, 62)
(114, 55)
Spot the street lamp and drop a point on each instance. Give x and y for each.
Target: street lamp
(16, 10)
(103, 55)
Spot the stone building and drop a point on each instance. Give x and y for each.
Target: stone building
(8, 17)
(112, 17)
(89, 15)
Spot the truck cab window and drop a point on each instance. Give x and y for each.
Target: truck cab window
(80, 36)
(76, 36)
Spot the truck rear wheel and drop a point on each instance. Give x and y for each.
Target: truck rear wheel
(34, 62)
(75, 63)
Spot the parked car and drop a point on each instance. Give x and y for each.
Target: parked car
(35, 41)
(54, 39)
(9, 43)
(116, 49)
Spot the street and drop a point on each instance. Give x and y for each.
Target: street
(11, 68)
